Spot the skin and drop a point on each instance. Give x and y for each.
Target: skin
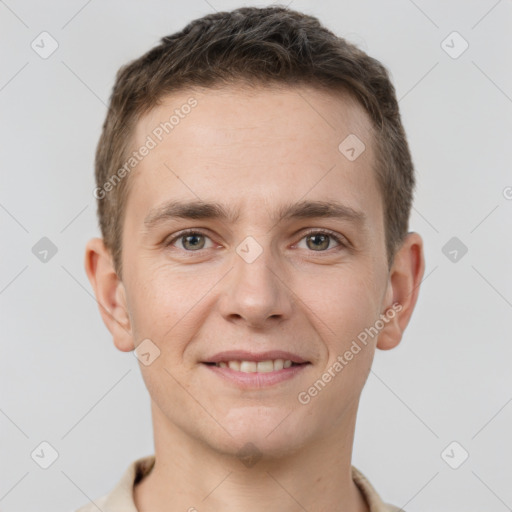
(254, 149)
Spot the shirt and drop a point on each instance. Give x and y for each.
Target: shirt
(120, 499)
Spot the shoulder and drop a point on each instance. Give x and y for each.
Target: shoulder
(375, 503)
(392, 508)
(120, 498)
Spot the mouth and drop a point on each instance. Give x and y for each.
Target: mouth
(267, 366)
(249, 370)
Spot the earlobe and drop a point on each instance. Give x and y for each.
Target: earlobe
(110, 293)
(403, 289)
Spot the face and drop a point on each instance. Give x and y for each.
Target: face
(289, 264)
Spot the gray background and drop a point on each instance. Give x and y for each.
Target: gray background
(62, 380)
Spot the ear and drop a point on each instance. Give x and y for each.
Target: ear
(110, 293)
(402, 292)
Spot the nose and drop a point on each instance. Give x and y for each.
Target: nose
(255, 292)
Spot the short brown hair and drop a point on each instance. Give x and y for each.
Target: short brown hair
(271, 45)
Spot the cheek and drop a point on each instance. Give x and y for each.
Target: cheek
(343, 300)
(165, 305)
(344, 306)
(343, 311)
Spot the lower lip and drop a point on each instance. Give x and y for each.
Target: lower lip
(255, 379)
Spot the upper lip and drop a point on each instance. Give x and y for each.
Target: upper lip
(243, 355)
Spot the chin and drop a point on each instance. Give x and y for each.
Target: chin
(261, 433)
(250, 449)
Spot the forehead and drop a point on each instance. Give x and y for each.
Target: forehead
(240, 113)
(247, 145)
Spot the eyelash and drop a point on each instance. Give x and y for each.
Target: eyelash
(337, 238)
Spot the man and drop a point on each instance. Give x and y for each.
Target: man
(254, 186)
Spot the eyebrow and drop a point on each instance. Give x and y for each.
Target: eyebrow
(211, 210)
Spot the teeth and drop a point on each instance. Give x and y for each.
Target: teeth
(278, 364)
(234, 365)
(248, 366)
(253, 366)
(265, 366)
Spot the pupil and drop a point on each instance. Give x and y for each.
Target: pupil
(194, 244)
(322, 241)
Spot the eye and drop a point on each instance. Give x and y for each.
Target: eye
(319, 241)
(191, 240)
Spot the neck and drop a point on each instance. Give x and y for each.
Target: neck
(190, 476)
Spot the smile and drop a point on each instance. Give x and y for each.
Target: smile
(256, 366)
(251, 371)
